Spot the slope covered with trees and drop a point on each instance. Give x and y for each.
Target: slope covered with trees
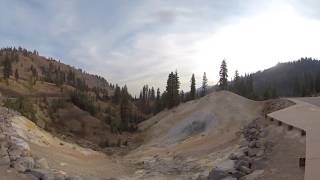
(64, 99)
(297, 78)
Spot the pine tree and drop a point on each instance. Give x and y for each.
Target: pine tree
(16, 75)
(7, 68)
(193, 88)
(182, 96)
(124, 109)
(236, 82)
(158, 103)
(223, 82)
(172, 90)
(176, 89)
(236, 76)
(204, 84)
(117, 93)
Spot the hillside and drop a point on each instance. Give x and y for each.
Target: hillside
(296, 78)
(66, 101)
(31, 64)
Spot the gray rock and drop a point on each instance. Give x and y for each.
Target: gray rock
(245, 169)
(30, 177)
(42, 174)
(201, 177)
(236, 155)
(242, 163)
(2, 137)
(3, 151)
(5, 161)
(74, 178)
(42, 163)
(23, 164)
(238, 174)
(229, 178)
(260, 153)
(226, 165)
(217, 174)
(252, 152)
(254, 175)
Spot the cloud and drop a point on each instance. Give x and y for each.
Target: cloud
(138, 42)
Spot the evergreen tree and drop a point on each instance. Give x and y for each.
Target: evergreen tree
(204, 85)
(236, 82)
(16, 75)
(318, 82)
(172, 90)
(7, 68)
(182, 96)
(176, 89)
(117, 93)
(125, 109)
(223, 81)
(158, 103)
(193, 88)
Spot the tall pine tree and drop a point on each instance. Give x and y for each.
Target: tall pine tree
(204, 85)
(172, 90)
(193, 88)
(7, 68)
(223, 81)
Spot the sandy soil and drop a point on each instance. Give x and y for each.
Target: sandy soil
(68, 157)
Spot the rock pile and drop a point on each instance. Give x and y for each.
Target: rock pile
(15, 153)
(248, 160)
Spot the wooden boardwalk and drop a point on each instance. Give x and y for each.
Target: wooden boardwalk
(306, 117)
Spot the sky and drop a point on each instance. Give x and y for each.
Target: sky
(137, 42)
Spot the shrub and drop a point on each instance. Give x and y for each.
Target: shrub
(84, 101)
(23, 105)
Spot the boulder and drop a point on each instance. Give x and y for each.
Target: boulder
(242, 163)
(252, 152)
(5, 161)
(254, 175)
(42, 174)
(226, 165)
(238, 174)
(23, 164)
(260, 153)
(201, 177)
(217, 174)
(229, 178)
(245, 169)
(3, 151)
(30, 177)
(41, 163)
(74, 178)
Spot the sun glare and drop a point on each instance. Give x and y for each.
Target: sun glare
(275, 35)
